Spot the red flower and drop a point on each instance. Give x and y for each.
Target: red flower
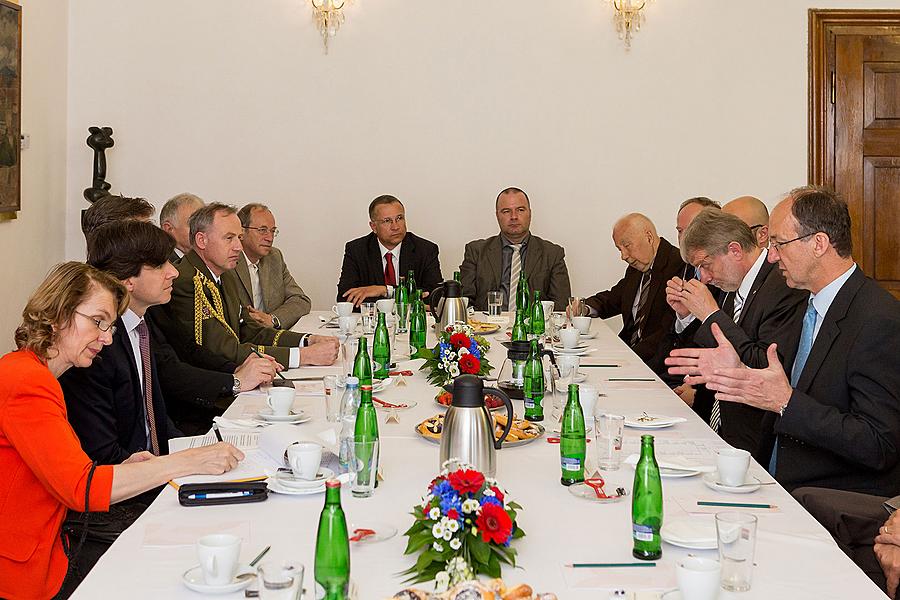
(469, 364)
(459, 339)
(452, 514)
(467, 481)
(494, 524)
(497, 493)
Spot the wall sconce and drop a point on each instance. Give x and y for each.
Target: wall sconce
(329, 16)
(628, 17)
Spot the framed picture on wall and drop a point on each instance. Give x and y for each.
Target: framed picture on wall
(10, 106)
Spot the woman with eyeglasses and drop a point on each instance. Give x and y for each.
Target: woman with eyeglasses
(43, 470)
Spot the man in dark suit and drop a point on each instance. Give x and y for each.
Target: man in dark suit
(639, 297)
(757, 309)
(372, 267)
(268, 290)
(206, 311)
(839, 424)
(488, 264)
(174, 217)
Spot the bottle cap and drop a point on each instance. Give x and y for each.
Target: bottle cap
(333, 483)
(352, 381)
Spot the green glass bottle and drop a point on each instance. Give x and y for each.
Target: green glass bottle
(457, 277)
(523, 294)
(411, 286)
(417, 327)
(366, 424)
(401, 296)
(332, 567)
(534, 385)
(537, 324)
(647, 504)
(381, 349)
(572, 443)
(362, 365)
(519, 331)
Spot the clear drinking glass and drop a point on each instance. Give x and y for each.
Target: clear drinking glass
(332, 400)
(369, 314)
(280, 579)
(608, 433)
(495, 303)
(557, 320)
(577, 307)
(365, 464)
(349, 346)
(737, 542)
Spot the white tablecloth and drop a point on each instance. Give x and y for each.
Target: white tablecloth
(795, 556)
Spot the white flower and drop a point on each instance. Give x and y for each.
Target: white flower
(491, 482)
(489, 492)
(441, 367)
(448, 535)
(453, 526)
(434, 514)
(454, 370)
(455, 544)
(437, 531)
(437, 546)
(470, 505)
(441, 581)
(462, 351)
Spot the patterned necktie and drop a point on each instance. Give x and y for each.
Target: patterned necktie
(144, 343)
(390, 278)
(738, 306)
(641, 312)
(258, 302)
(514, 272)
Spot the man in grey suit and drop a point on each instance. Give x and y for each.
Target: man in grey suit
(268, 290)
(489, 263)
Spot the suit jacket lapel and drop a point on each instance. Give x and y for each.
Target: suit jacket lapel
(493, 251)
(406, 260)
(761, 276)
(374, 259)
(533, 258)
(243, 273)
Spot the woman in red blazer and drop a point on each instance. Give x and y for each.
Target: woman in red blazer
(43, 470)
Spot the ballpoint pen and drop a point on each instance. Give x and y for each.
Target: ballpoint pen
(256, 352)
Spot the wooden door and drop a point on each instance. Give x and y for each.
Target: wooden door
(855, 128)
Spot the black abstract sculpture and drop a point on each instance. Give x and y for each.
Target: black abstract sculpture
(99, 140)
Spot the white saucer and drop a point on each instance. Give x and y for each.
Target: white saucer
(586, 492)
(677, 473)
(383, 531)
(672, 595)
(558, 347)
(295, 417)
(588, 336)
(379, 385)
(408, 404)
(193, 579)
(751, 484)
(656, 422)
(276, 487)
(691, 533)
(288, 480)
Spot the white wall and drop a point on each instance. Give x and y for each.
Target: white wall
(34, 242)
(442, 104)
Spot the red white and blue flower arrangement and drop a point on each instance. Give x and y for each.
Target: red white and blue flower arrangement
(463, 528)
(459, 351)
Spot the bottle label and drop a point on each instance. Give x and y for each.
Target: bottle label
(570, 463)
(529, 402)
(642, 533)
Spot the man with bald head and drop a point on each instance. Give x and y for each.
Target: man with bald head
(754, 213)
(640, 295)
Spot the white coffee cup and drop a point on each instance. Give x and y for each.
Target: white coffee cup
(587, 397)
(305, 458)
(280, 400)
(698, 578)
(343, 309)
(568, 365)
(218, 554)
(385, 305)
(347, 324)
(582, 324)
(732, 464)
(547, 306)
(569, 337)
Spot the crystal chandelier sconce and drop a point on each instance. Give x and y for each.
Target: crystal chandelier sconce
(329, 16)
(628, 17)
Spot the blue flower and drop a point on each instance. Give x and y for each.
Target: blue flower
(491, 500)
(451, 501)
(443, 488)
(475, 351)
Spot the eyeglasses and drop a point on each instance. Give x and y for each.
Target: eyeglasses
(264, 230)
(778, 245)
(100, 323)
(389, 221)
(755, 227)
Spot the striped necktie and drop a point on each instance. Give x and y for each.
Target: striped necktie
(715, 416)
(640, 314)
(514, 272)
(144, 344)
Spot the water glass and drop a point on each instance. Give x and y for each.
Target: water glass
(736, 533)
(495, 303)
(365, 465)
(332, 400)
(609, 430)
(557, 320)
(348, 353)
(577, 307)
(369, 315)
(280, 580)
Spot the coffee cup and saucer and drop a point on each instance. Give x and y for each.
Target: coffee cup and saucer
(306, 474)
(219, 571)
(731, 473)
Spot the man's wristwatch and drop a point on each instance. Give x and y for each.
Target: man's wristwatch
(236, 388)
(275, 322)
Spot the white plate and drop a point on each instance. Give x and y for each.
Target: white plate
(383, 531)
(378, 385)
(676, 473)
(286, 479)
(657, 422)
(586, 492)
(295, 417)
(573, 351)
(404, 405)
(193, 579)
(690, 533)
(276, 487)
(558, 347)
(751, 484)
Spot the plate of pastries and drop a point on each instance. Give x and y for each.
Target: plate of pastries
(476, 590)
(522, 432)
(483, 327)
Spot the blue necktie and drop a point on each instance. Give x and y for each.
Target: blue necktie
(806, 342)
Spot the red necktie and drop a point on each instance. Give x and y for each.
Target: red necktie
(390, 278)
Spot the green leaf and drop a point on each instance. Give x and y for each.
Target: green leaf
(425, 559)
(514, 505)
(493, 566)
(518, 533)
(418, 541)
(480, 549)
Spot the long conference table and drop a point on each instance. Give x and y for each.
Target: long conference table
(795, 557)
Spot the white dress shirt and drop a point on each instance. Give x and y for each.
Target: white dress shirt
(256, 288)
(131, 321)
(822, 301)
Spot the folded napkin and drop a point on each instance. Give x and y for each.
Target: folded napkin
(680, 463)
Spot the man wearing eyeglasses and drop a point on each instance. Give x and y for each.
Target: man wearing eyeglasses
(374, 263)
(838, 411)
(268, 290)
(754, 213)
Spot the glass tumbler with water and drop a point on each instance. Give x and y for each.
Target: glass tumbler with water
(737, 542)
(495, 303)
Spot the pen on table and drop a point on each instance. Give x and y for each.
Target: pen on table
(256, 352)
(259, 556)
(735, 504)
(212, 495)
(628, 378)
(215, 429)
(610, 565)
(584, 365)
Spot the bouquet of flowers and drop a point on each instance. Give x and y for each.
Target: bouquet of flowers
(458, 351)
(463, 527)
